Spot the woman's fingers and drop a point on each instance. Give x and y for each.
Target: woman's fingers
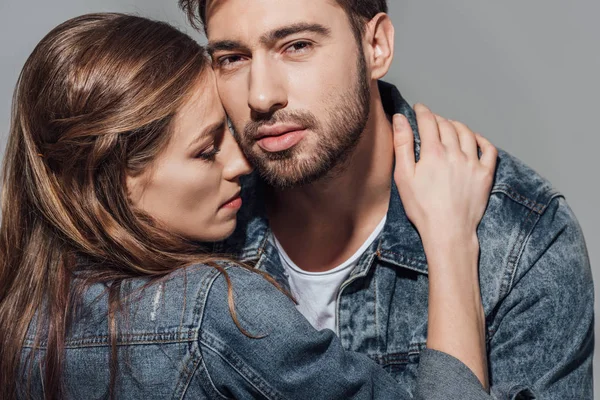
(489, 153)
(428, 129)
(466, 137)
(435, 130)
(403, 147)
(446, 192)
(448, 134)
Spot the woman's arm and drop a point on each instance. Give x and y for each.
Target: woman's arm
(289, 359)
(445, 195)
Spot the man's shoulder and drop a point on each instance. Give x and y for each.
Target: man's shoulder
(521, 184)
(527, 221)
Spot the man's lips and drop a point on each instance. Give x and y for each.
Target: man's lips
(279, 137)
(277, 130)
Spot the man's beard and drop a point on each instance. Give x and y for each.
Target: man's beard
(347, 114)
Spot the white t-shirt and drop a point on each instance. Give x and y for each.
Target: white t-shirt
(316, 292)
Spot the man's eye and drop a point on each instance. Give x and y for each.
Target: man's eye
(229, 61)
(299, 47)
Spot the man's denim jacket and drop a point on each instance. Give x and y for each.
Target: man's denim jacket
(535, 277)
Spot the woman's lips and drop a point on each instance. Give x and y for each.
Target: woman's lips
(233, 204)
(285, 141)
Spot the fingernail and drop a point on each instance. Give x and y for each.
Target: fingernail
(398, 121)
(421, 107)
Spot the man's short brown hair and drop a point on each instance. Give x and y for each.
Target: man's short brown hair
(359, 12)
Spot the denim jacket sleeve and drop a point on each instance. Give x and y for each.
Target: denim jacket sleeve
(289, 359)
(542, 337)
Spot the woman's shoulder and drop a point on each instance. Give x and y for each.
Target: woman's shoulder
(169, 309)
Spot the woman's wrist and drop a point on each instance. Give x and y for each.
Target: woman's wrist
(442, 236)
(451, 253)
(456, 315)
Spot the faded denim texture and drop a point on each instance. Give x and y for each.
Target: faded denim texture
(535, 277)
(178, 341)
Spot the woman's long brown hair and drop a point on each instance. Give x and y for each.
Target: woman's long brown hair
(94, 103)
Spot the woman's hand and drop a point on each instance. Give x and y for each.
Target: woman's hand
(445, 195)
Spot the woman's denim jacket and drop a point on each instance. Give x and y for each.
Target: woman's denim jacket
(178, 340)
(535, 276)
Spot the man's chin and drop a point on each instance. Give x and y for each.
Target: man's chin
(290, 173)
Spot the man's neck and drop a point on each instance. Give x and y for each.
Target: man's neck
(323, 224)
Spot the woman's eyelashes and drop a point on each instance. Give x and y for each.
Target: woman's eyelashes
(209, 153)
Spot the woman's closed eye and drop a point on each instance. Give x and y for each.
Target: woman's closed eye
(209, 153)
(210, 149)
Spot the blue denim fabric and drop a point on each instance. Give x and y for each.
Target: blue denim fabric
(177, 340)
(535, 277)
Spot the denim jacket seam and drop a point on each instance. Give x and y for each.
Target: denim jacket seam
(255, 253)
(260, 251)
(358, 273)
(399, 258)
(202, 296)
(139, 338)
(515, 254)
(252, 377)
(536, 210)
(234, 367)
(198, 313)
(375, 302)
(515, 260)
(414, 349)
(208, 376)
(361, 270)
(180, 336)
(519, 198)
(130, 340)
(187, 375)
(183, 384)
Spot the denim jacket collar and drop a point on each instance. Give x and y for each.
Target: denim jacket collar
(398, 244)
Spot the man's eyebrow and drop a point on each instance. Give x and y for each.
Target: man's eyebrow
(209, 131)
(283, 32)
(269, 37)
(226, 45)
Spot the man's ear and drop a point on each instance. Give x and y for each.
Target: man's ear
(378, 42)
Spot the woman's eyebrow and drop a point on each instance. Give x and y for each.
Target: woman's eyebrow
(209, 131)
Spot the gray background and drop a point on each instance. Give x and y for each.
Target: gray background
(523, 73)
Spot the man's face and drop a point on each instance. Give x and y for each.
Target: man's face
(294, 82)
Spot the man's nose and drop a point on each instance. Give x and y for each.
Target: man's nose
(267, 92)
